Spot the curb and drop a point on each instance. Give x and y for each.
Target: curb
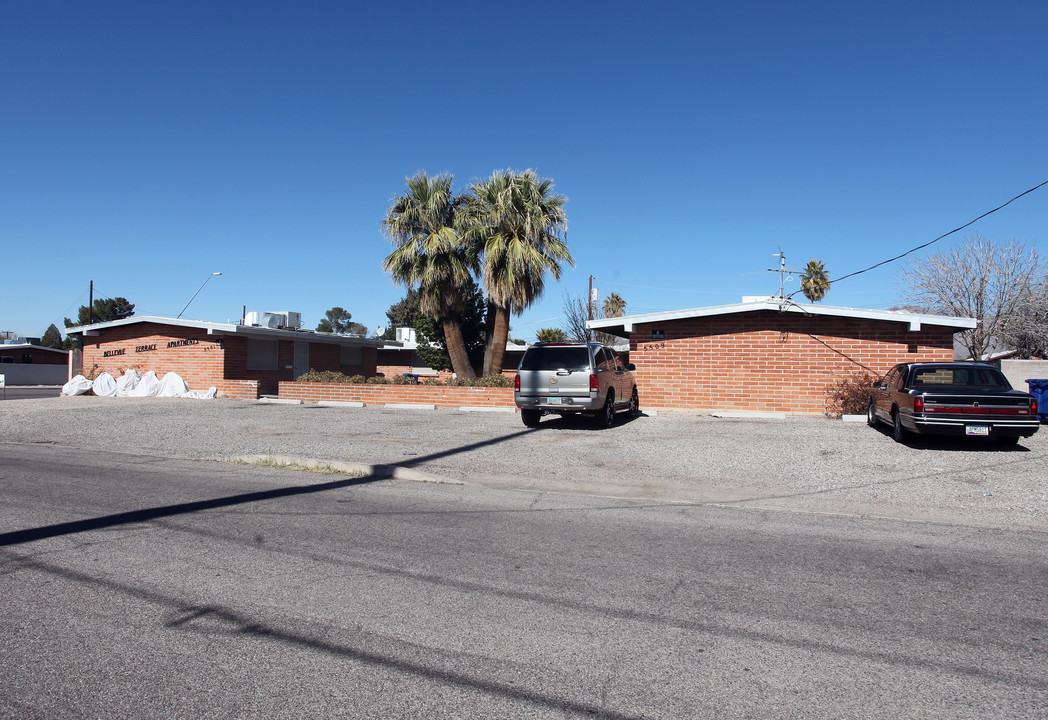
(355, 469)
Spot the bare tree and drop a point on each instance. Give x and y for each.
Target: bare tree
(982, 279)
(576, 313)
(1028, 333)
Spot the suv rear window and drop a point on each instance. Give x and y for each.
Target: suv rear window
(556, 358)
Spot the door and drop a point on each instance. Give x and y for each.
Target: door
(301, 359)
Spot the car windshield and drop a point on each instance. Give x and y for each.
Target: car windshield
(939, 376)
(556, 358)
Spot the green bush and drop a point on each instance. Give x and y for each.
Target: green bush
(378, 380)
(358, 379)
(851, 395)
(326, 376)
(433, 381)
(404, 380)
(495, 380)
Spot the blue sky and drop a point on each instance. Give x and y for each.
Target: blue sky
(146, 145)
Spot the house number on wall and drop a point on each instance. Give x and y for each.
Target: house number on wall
(653, 346)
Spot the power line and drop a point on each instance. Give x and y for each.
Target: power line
(931, 242)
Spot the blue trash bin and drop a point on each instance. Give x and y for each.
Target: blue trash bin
(1039, 389)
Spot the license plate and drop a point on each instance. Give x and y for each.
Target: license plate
(976, 429)
(553, 401)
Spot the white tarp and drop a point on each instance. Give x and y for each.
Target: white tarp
(146, 387)
(126, 383)
(134, 384)
(172, 386)
(104, 385)
(77, 386)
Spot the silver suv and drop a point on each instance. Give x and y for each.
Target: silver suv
(585, 377)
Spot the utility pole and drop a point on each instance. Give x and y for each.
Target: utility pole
(91, 304)
(589, 299)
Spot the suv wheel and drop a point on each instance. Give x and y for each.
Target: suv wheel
(530, 417)
(607, 413)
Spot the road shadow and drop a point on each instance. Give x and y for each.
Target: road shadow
(18, 537)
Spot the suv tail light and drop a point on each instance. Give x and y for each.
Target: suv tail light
(594, 383)
(918, 404)
(1033, 406)
(516, 383)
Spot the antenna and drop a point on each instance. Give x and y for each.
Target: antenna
(785, 275)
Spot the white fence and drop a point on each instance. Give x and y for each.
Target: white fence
(1019, 371)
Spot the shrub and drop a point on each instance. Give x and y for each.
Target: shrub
(433, 381)
(851, 394)
(404, 380)
(378, 380)
(325, 376)
(495, 380)
(461, 382)
(359, 379)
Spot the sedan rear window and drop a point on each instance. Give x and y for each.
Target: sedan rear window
(556, 358)
(959, 375)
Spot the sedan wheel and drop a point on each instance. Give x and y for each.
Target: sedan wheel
(871, 415)
(898, 431)
(634, 404)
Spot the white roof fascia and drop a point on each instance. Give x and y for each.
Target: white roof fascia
(213, 328)
(913, 320)
(23, 346)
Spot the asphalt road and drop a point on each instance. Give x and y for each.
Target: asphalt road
(139, 585)
(29, 392)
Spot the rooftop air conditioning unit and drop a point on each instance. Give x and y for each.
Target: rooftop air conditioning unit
(404, 334)
(286, 319)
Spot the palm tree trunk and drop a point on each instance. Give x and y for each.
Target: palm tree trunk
(497, 342)
(456, 347)
(489, 334)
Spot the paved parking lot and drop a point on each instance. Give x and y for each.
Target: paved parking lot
(803, 464)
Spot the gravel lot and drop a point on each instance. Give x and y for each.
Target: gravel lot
(800, 464)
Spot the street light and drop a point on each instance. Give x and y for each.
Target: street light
(197, 293)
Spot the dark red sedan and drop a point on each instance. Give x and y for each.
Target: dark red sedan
(970, 399)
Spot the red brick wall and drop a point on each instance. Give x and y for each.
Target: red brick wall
(769, 361)
(441, 396)
(205, 363)
(145, 347)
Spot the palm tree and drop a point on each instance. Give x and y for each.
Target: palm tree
(429, 254)
(516, 222)
(614, 305)
(551, 335)
(815, 281)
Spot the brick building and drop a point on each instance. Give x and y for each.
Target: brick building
(243, 361)
(770, 355)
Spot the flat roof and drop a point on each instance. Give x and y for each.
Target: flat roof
(23, 346)
(213, 328)
(623, 326)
